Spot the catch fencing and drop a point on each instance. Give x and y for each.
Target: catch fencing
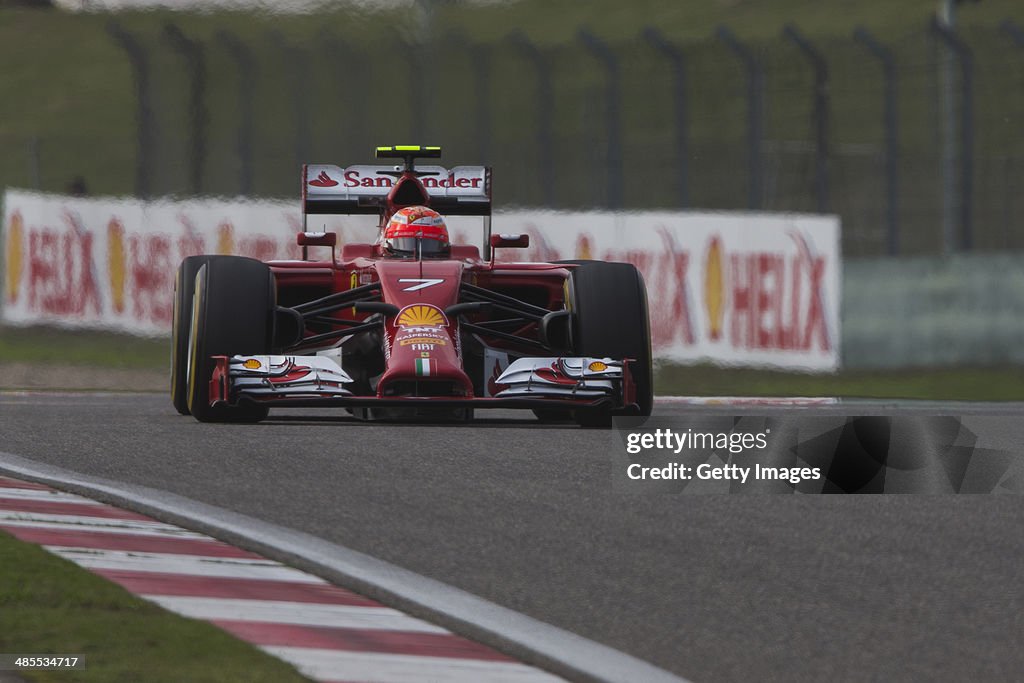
(915, 141)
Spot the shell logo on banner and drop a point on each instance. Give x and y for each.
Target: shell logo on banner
(225, 238)
(116, 262)
(714, 288)
(14, 251)
(583, 248)
(421, 315)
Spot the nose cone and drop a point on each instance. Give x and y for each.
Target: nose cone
(422, 345)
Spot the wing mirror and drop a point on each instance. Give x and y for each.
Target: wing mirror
(316, 239)
(510, 241)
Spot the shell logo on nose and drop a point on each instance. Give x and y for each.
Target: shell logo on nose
(421, 315)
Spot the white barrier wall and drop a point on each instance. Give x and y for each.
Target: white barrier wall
(732, 288)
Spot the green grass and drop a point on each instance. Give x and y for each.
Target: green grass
(49, 605)
(81, 347)
(965, 384)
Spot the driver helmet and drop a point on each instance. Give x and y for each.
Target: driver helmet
(416, 231)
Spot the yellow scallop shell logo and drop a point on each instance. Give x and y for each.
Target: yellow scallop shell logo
(116, 262)
(421, 316)
(14, 251)
(714, 288)
(225, 238)
(583, 248)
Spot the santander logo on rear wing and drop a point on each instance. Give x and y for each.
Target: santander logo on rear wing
(464, 190)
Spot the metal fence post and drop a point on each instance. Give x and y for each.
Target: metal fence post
(545, 114)
(613, 121)
(422, 59)
(193, 54)
(480, 57)
(33, 152)
(145, 129)
(890, 122)
(415, 57)
(677, 65)
(480, 61)
(246, 68)
(298, 93)
(820, 66)
(353, 73)
(1015, 32)
(755, 113)
(965, 57)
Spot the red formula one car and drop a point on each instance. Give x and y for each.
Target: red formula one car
(409, 333)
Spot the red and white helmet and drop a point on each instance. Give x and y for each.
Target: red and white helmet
(416, 231)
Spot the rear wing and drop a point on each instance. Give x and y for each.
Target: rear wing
(362, 189)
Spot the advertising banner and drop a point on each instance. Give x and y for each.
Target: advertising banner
(110, 263)
(729, 288)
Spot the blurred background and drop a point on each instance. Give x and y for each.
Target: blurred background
(904, 119)
(908, 127)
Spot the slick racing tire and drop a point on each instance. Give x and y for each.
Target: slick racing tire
(559, 415)
(609, 303)
(233, 305)
(181, 320)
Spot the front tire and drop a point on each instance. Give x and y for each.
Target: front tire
(611, 320)
(181, 323)
(233, 305)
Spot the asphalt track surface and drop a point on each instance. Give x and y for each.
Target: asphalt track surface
(714, 588)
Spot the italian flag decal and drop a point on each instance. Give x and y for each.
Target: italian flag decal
(424, 367)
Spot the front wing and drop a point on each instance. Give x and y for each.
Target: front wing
(317, 381)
